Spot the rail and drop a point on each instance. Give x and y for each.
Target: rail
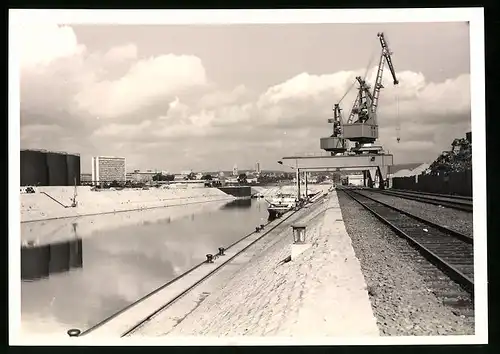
(210, 259)
(445, 201)
(448, 249)
(453, 196)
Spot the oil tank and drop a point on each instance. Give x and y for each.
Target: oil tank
(34, 169)
(35, 262)
(73, 169)
(58, 175)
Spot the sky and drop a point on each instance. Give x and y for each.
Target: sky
(207, 97)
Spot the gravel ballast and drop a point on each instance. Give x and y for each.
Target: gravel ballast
(458, 220)
(400, 281)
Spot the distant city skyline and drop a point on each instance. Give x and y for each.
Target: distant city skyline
(183, 103)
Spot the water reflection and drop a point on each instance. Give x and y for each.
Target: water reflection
(239, 203)
(127, 255)
(62, 229)
(38, 262)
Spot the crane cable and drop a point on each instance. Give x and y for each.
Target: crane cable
(398, 121)
(372, 57)
(345, 94)
(348, 90)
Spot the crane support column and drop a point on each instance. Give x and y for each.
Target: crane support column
(372, 164)
(298, 183)
(305, 184)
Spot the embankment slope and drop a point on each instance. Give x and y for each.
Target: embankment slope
(50, 203)
(321, 293)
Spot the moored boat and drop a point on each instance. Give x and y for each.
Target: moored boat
(280, 203)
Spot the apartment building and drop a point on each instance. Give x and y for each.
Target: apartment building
(108, 169)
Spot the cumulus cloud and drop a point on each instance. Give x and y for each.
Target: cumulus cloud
(120, 53)
(305, 86)
(220, 98)
(168, 102)
(42, 44)
(146, 82)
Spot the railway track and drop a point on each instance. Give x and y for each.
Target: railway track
(452, 196)
(453, 202)
(449, 250)
(198, 275)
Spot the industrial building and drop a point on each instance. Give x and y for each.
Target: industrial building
(48, 168)
(141, 176)
(86, 177)
(108, 169)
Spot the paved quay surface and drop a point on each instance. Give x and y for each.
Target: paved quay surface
(321, 293)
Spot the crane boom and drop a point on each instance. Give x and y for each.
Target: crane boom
(385, 57)
(365, 86)
(364, 99)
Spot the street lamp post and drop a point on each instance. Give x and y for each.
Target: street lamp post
(297, 173)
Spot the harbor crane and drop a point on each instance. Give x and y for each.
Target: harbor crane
(361, 126)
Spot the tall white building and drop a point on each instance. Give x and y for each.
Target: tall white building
(108, 169)
(235, 170)
(257, 168)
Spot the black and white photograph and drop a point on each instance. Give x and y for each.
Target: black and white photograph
(246, 177)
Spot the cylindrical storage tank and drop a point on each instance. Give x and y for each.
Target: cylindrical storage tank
(56, 163)
(34, 170)
(59, 257)
(73, 169)
(35, 262)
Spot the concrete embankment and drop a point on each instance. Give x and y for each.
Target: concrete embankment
(50, 203)
(321, 292)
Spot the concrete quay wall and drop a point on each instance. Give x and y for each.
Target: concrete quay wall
(319, 293)
(55, 202)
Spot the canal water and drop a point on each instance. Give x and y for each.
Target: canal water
(75, 273)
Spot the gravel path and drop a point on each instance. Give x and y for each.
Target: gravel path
(458, 220)
(399, 280)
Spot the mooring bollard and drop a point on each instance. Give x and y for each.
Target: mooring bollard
(74, 332)
(210, 258)
(221, 251)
